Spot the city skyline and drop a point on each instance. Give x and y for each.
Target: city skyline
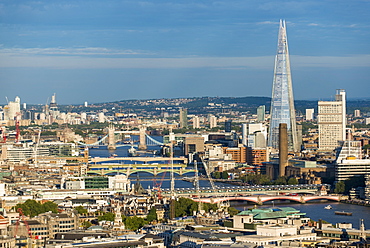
(112, 50)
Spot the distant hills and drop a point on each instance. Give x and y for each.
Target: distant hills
(200, 105)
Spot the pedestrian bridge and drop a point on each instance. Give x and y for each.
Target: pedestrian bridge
(260, 199)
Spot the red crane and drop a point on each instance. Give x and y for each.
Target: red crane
(157, 185)
(17, 131)
(21, 215)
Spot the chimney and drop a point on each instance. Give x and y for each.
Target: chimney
(283, 148)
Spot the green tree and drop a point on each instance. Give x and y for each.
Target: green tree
(216, 175)
(81, 210)
(225, 175)
(232, 211)
(86, 224)
(339, 187)
(107, 216)
(134, 223)
(257, 179)
(208, 206)
(33, 208)
(292, 181)
(50, 206)
(280, 181)
(185, 206)
(152, 215)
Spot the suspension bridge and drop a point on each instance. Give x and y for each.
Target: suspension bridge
(111, 140)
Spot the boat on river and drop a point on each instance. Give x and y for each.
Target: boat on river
(132, 152)
(328, 207)
(343, 213)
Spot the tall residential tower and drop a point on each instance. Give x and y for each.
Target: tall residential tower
(282, 102)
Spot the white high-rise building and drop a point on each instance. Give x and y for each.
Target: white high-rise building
(309, 114)
(245, 134)
(357, 113)
(196, 122)
(212, 121)
(332, 121)
(13, 109)
(101, 117)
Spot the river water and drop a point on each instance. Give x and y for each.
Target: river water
(314, 210)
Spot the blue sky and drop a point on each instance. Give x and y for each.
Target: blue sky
(101, 51)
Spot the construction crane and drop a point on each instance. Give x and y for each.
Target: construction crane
(21, 215)
(17, 131)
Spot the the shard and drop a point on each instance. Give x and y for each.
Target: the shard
(282, 102)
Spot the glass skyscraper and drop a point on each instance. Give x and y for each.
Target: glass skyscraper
(282, 102)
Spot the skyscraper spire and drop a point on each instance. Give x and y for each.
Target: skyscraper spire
(282, 102)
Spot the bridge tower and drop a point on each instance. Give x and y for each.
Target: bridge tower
(111, 138)
(142, 145)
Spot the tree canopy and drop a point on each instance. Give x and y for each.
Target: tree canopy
(133, 223)
(152, 215)
(81, 210)
(33, 208)
(107, 216)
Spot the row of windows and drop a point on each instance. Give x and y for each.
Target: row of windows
(38, 228)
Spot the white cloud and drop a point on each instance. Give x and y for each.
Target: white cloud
(81, 51)
(93, 58)
(267, 22)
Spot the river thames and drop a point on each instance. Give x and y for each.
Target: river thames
(314, 210)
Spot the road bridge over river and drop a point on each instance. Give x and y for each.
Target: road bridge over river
(98, 160)
(244, 191)
(260, 199)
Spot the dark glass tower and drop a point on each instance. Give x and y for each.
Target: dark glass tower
(282, 102)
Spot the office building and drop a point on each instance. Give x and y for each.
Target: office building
(238, 154)
(193, 144)
(261, 110)
(228, 126)
(331, 120)
(256, 156)
(309, 114)
(349, 162)
(357, 113)
(183, 118)
(348, 168)
(282, 102)
(256, 135)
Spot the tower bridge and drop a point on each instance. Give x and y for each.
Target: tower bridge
(144, 139)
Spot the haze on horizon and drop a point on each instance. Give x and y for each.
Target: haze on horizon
(104, 51)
